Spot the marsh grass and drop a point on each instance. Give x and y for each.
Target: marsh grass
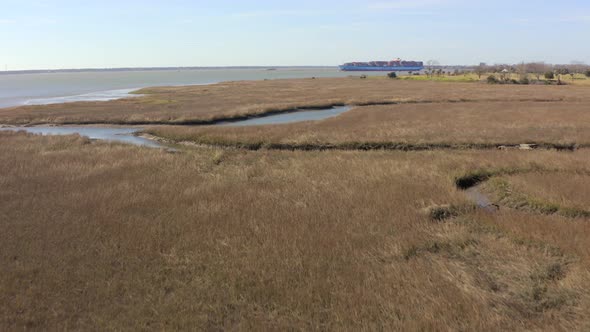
(98, 236)
(111, 237)
(206, 104)
(561, 193)
(464, 125)
(442, 78)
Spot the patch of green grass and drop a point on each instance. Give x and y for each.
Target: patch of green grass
(442, 78)
(445, 78)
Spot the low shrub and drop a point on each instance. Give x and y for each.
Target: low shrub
(549, 75)
(492, 80)
(392, 75)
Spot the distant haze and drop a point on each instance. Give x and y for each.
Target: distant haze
(57, 34)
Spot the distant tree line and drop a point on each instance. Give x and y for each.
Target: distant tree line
(521, 73)
(504, 73)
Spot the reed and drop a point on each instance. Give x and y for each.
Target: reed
(116, 237)
(192, 105)
(463, 125)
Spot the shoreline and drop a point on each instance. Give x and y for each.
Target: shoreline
(139, 79)
(152, 69)
(249, 116)
(367, 146)
(141, 132)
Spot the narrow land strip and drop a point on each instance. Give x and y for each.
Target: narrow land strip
(207, 104)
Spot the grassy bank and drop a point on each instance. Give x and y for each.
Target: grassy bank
(559, 193)
(206, 104)
(107, 236)
(465, 125)
(442, 78)
(577, 79)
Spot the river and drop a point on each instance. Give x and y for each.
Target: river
(61, 87)
(127, 134)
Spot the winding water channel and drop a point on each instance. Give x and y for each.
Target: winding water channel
(123, 135)
(127, 134)
(298, 116)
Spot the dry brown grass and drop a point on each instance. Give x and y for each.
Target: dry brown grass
(468, 124)
(100, 236)
(563, 193)
(569, 190)
(194, 104)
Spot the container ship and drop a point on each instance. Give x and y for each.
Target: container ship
(393, 65)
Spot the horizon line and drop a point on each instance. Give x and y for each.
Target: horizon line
(156, 68)
(162, 68)
(91, 69)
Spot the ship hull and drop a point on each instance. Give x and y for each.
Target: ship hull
(369, 68)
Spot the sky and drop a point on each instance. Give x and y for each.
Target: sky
(62, 34)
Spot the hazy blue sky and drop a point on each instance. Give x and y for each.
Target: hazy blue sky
(107, 33)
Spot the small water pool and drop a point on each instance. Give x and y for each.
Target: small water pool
(297, 116)
(124, 135)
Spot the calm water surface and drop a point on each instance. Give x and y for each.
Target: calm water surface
(50, 88)
(123, 135)
(312, 115)
(23, 89)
